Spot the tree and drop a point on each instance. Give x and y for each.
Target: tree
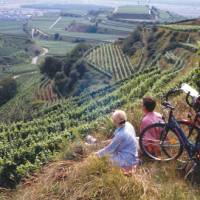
(37, 52)
(56, 36)
(80, 66)
(128, 43)
(8, 89)
(74, 56)
(50, 66)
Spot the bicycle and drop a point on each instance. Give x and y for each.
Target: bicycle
(165, 141)
(191, 125)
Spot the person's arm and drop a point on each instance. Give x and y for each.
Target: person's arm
(111, 148)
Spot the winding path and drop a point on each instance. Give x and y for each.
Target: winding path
(35, 59)
(33, 62)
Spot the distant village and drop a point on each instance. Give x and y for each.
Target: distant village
(19, 13)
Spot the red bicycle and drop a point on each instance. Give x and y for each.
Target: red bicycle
(191, 126)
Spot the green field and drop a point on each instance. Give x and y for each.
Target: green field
(44, 23)
(133, 10)
(75, 11)
(23, 68)
(11, 27)
(56, 47)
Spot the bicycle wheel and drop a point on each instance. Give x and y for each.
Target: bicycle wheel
(159, 143)
(190, 130)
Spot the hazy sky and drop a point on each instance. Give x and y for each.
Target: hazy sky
(181, 2)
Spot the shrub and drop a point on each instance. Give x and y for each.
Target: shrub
(8, 89)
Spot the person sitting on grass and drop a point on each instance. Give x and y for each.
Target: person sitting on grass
(150, 117)
(123, 148)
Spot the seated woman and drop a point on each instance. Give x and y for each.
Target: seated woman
(122, 150)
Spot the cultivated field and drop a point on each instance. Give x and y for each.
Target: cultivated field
(13, 27)
(56, 47)
(133, 10)
(110, 59)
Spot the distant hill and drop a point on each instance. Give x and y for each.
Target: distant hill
(145, 13)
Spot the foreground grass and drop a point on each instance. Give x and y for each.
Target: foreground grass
(94, 179)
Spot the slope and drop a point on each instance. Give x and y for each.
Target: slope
(27, 145)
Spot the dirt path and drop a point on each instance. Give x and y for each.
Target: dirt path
(35, 59)
(33, 62)
(57, 20)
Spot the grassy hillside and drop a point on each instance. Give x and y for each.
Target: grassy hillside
(16, 52)
(74, 118)
(162, 59)
(161, 46)
(56, 47)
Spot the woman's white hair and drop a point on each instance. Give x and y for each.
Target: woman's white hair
(119, 116)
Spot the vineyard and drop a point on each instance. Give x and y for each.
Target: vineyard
(110, 59)
(24, 146)
(45, 92)
(159, 65)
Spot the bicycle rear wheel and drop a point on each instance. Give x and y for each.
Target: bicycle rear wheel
(160, 143)
(190, 130)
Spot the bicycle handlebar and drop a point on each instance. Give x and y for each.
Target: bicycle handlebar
(170, 92)
(167, 104)
(165, 98)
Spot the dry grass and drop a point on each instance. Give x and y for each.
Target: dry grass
(95, 179)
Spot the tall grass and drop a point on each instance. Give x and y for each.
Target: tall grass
(95, 179)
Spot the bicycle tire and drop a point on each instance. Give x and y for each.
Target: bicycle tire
(159, 149)
(191, 131)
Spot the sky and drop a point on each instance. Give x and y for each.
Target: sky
(181, 2)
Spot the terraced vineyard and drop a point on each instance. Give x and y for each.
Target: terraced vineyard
(24, 146)
(45, 92)
(110, 59)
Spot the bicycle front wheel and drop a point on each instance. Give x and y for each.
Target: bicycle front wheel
(160, 143)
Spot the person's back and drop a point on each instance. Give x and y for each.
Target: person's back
(122, 150)
(150, 117)
(126, 154)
